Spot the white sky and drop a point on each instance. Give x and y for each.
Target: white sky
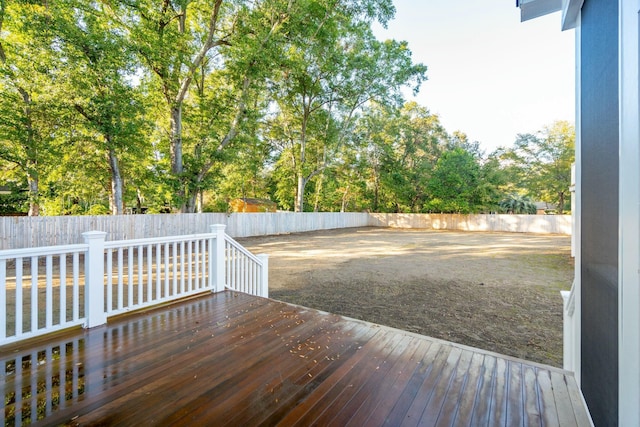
(489, 75)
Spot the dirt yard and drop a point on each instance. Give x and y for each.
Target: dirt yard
(495, 291)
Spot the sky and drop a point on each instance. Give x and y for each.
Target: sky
(489, 75)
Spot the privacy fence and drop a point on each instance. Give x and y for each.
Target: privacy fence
(25, 232)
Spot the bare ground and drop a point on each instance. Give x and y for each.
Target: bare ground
(495, 291)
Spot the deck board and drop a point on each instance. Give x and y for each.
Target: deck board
(234, 359)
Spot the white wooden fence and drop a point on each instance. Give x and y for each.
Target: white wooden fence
(46, 289)
(25, 232)
(542, 224)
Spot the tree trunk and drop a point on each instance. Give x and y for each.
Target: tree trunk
(175, 152)
(561, 203)
(299, 205)
(376, 197)
(31, 165)
(316, 202)
(175, 142)
(34, 205)
(190, 203)
(139, 201)
(116, 203)
(345, 198)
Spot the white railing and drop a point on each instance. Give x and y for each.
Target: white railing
(246, 272)
(145, 272)
(43, 290)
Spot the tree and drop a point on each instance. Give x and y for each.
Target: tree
(208, 60)
(544, 160)
(333, 67)
(12, 199)
(109, 104)
(100, 72)
(231, 98)
(401, 148)
(517, 204)
(175, 39)
(30, 114)
(454, 183)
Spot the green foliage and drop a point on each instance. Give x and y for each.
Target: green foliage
(30, 115)
(542, 163)
(517, 204)
(402, 149)
(17, 202)
(183, 105)
(454, 183)
(332, 68)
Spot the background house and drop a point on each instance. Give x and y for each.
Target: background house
(252, 205)
(606, 331)
(543, 208)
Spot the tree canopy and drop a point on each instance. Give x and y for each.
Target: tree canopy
(114, 106)
(541, 163)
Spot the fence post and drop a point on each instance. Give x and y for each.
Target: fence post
(94, 279)
(218, 257)
(264, 275)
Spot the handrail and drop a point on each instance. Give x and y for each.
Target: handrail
(155, 240)
(42, 251)
(570, 304)
(242, 249)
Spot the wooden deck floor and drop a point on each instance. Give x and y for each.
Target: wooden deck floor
(237, 360)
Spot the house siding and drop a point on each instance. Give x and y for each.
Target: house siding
(599, 225)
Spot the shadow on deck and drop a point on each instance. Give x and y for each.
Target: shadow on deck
(234, 359)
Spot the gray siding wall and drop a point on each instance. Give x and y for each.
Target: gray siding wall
(599, 150)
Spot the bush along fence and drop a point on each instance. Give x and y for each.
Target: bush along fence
(47, 289)
(24, 232)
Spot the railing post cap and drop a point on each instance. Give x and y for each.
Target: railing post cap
(90, 235)
(218, 227)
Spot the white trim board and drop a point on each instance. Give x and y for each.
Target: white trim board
(629, 215)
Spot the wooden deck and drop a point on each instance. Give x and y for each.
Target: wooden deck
(237, 360)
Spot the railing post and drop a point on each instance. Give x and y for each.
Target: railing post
(264, 276)
(218, 257)
(94, 279)
(568, 359)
